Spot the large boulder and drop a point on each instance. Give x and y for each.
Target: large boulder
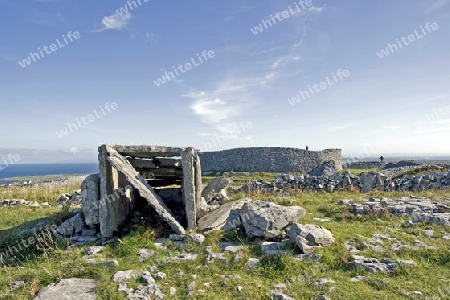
(215, 186)
(266, 219)
(90, 192)
(310, 237)
(227, 216)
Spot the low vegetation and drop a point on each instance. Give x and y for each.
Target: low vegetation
(53, 262)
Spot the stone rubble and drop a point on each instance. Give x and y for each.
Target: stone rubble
(328, 182)
(419, 208)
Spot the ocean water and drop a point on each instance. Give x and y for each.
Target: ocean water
(24, 170)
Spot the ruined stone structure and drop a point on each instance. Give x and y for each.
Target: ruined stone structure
(132, 173)
(269, 159)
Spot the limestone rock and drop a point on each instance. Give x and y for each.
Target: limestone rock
(69, 289)
(266, 219)
(226, 217)
(215, 186)
(309, 237)
(90, 193)
(73, 225)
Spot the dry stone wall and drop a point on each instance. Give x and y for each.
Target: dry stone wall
(269, 159)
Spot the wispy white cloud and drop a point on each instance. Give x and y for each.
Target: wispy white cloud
(230, 98)
(438, 4)
(114, 21)
(391, 127)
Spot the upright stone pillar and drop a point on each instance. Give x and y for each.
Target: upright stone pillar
(189, 191)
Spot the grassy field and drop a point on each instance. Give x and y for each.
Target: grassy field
(53, 262)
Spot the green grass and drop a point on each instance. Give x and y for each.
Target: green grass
(431, 274)
(359, 171)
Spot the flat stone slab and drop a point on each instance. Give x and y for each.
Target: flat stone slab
(69, 289)
(226, 217)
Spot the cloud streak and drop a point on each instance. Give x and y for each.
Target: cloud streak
(114, 21)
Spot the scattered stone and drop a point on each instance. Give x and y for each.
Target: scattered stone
(172, 291)
(69, 289)
(350, 245)
(145, 253)
(185, 257)
(357, 278)
(191, 288)
(266, 219)
(159, 276)
(324, 281)
(148, 278)
(278, 295)
(252, 263)
(237, 258)
(239, 288)
(231, 247)
(312, 256)
(310, 237)
(374, 265)
(153, 269)
(124, 276)
(323, 297)
(429, 233)
(215, 256)
(16, 285)
(196, 238)
(94, 250)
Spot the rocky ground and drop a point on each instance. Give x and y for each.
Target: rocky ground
(326, 249)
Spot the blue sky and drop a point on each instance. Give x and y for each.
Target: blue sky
(398, 104)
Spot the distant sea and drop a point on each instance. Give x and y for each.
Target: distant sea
(25, 170)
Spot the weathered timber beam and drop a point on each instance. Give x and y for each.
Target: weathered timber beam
(145, 190)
